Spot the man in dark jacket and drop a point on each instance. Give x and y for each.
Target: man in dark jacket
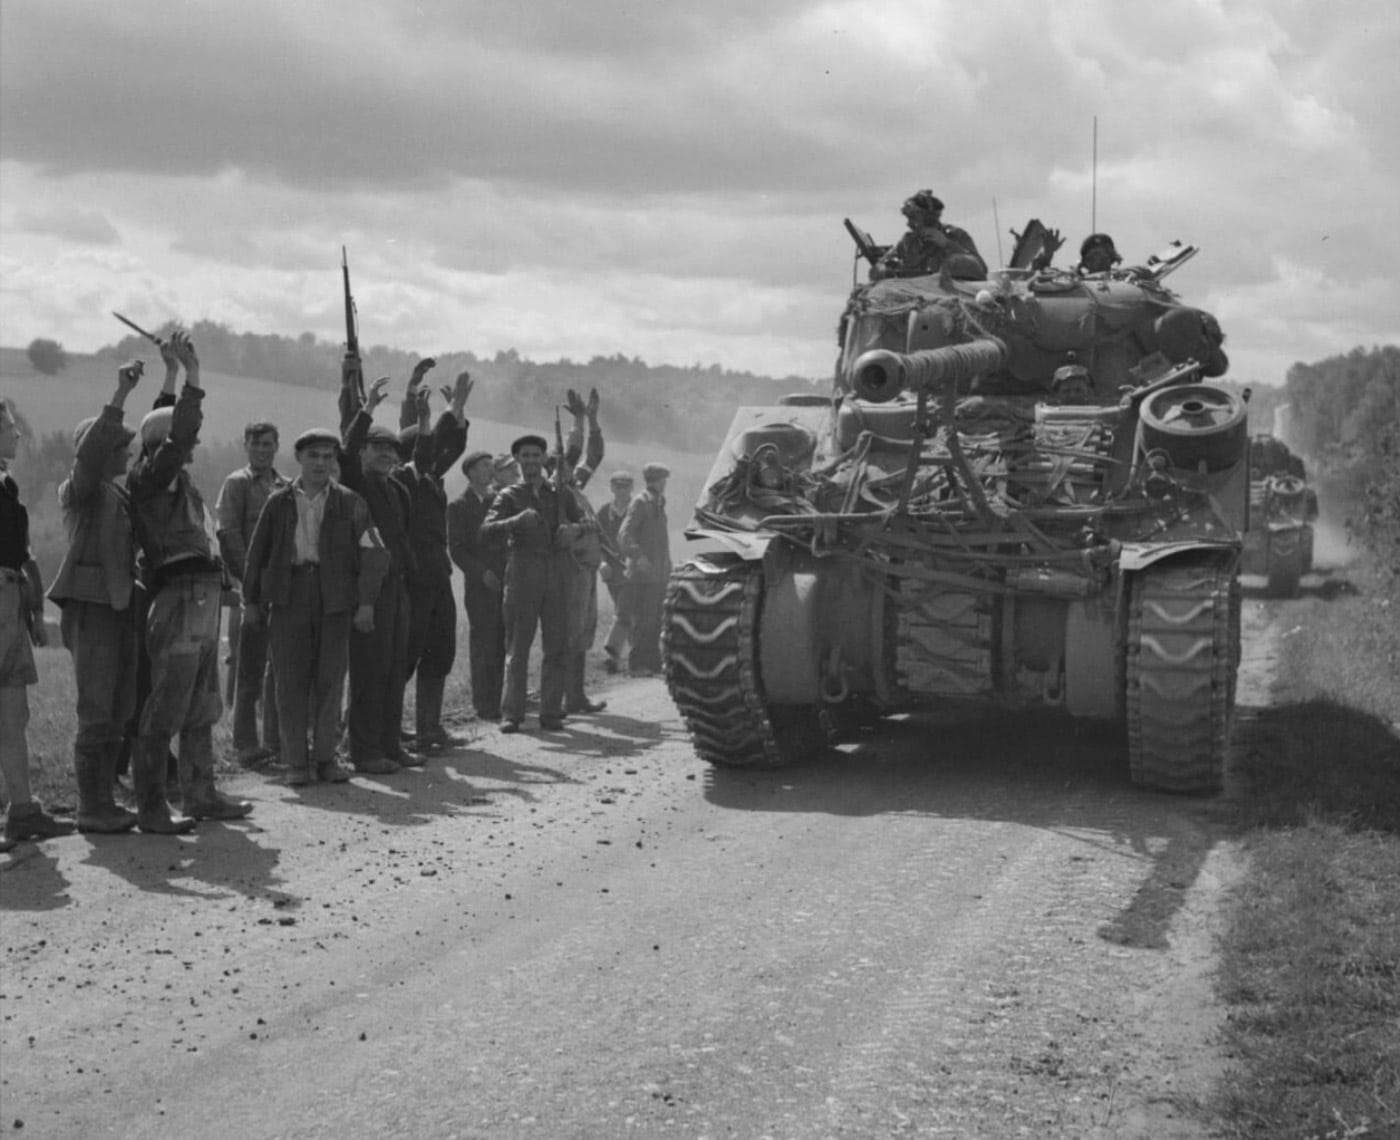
(614, 569)
(313, 570)
(95, 586)
(539, 523)
(929, 246)
(483, 566)
(184, 579)
(432, 626)
(379, 656)
(645, 539)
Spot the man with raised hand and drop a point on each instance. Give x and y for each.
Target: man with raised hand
(185, 581)
(539, 523)
(313, 571)
(432, 625)
(95, 587)
(241, 500)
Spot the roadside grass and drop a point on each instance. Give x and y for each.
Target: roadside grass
(1310, 961)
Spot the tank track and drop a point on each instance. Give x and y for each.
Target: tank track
(1179, 674)
(710, 645)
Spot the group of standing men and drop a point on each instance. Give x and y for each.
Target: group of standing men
(344, 569)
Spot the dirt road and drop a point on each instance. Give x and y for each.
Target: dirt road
(946, 930)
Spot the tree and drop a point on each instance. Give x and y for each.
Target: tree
(47, 356)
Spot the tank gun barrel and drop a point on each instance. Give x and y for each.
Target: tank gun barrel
(880, 375)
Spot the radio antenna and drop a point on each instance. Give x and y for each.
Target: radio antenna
(996, 221)
(1094, 192)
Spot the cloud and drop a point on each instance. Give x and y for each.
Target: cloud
(82, 227)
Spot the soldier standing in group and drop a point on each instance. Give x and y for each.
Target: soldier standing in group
(240, 502)
(313, 570)
(379, 656)
(614, 569)
(96, 586)
(483, 566)
(539, 523)
(432, 627)
(645, 539)
(585, 555)
(185, 581)
(21, 628)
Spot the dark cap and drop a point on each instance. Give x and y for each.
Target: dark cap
(921, 202)
(529, 441)
(379, 433)
(475, 457)
(655, 471)
(1095, 240)
(80, 433)
(316, 435)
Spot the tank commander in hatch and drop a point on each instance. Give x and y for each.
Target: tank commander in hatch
(929, 246)
(1097, 254)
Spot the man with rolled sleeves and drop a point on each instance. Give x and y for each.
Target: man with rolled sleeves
(645, 540)
(379, 655)
(313, 570)
(241, 501)
(539, 523)
(483, 566)
(185, 581)
(95, 587)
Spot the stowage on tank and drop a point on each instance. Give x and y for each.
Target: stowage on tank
(1282, 508)
(1022, 491)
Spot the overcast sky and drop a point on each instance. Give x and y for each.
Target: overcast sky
(584, 177)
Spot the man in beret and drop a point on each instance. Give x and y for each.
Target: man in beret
(95, 587)
(241, 500)
(645, 540)
(430, 452)
(379, 655)
(313, 571)
(538, 523)
(483, 565)
(929, 245)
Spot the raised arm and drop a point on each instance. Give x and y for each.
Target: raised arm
(90, 460)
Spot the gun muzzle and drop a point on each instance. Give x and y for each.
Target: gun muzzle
(879, 376)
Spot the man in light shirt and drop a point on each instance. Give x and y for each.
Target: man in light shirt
(315, 566)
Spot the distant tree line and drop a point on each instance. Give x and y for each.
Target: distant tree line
(685, 407)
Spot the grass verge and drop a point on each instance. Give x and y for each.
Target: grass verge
(1310, 962)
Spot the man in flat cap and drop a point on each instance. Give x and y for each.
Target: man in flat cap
(430, 451)
(929, 245)
(645, 541)
(538, 523)
(483, 565)
(379, 655)
(614, 569)
(313, 571)
(587, 554)
(95, 587)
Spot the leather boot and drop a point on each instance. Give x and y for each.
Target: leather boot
(98, 812)
(430, 733)
(201, 799)
(148, 759)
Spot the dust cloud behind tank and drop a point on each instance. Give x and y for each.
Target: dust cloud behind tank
(1022, 492)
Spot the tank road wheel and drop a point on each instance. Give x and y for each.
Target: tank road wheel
(1196, 424)
(1179, 674)
(710, 644)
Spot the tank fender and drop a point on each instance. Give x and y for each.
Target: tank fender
(1140, 555)
(749, 547)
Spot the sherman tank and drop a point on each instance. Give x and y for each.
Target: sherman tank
(1282, 508)
(1020, 492)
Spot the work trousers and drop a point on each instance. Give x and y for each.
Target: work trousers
(377, 663)
(648, 599)
(536, 595)
(103, 643)
(310, 651)
(253, 682)
(583, 628)
(486, 648)
(432, 629)
(182, 640)
(624, 597)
